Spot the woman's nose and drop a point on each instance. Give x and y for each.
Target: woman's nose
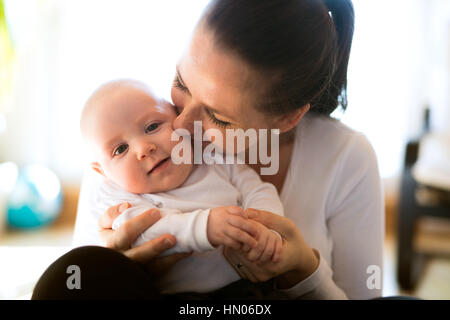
(185, 119)
(145, 149)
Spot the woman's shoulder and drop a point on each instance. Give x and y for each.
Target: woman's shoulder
(325, 135)
(331, 150)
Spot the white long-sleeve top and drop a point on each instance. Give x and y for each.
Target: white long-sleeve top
(184, 214)
(333, 194)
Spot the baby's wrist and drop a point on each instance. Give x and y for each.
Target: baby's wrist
(210, 228)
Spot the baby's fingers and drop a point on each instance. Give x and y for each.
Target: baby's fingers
(231, 243)
(240, 236)
(243, 224)
(268, 251)
(256, 252)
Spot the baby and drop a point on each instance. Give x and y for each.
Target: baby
(128, 132)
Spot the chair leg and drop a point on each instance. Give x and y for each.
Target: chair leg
(405, 252)
(408, 262)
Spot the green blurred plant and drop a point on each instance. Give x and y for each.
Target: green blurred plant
(6, 59)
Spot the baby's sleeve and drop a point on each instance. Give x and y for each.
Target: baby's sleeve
(254, 192)
(189, 228)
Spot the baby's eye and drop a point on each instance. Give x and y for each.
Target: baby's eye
(120, 149)
(152, 127)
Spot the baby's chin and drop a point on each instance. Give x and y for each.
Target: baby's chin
(163, 182)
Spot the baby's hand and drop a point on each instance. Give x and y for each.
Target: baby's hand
(269, 245)
(230, 227)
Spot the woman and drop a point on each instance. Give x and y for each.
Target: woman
(279, 64)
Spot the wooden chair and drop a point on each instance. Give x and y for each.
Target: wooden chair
(409, 261)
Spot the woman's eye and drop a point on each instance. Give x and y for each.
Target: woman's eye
(152, 127)
(120, 149)
(177, 84)
(217, 122)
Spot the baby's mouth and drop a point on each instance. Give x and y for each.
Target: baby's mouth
(158, 164)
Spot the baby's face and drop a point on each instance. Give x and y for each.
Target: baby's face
(131, 130)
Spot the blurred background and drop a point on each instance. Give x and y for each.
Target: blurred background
(54, 53)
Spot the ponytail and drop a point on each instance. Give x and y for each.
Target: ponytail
(342, 14)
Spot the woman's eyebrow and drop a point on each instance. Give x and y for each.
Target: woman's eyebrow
(204, 105)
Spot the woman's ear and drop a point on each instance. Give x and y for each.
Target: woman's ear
(288, 121)
(97, 168)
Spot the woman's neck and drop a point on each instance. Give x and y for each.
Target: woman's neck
(284, 156)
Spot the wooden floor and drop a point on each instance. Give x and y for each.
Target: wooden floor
(433, 239)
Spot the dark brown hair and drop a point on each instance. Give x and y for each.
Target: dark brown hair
(304, 44)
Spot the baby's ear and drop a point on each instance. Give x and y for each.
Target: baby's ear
(97, 168)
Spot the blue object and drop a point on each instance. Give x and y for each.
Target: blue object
(36, 198)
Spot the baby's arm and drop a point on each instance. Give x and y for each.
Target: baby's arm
(188, 228)
(254, 192)
(199, 230)
(263, 196)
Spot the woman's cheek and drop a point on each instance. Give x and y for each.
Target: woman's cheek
(177, 98)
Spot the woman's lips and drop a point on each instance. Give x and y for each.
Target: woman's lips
(160, 166)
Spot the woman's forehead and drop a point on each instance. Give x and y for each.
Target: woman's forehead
(214, 75)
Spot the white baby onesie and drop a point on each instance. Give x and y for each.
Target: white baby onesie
(185, 211)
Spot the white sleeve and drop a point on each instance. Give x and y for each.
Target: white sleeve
(356, 207)
(189, 228)
(97, 195)
(254, 192)
(88, 212)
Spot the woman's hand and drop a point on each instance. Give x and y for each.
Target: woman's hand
(297, 260)
(122, 238)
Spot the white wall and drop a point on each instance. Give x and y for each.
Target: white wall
(66, 48)
(388, 76)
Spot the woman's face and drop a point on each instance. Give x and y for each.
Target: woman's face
(216, 87)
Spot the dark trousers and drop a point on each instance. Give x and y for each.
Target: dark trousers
(107, 274)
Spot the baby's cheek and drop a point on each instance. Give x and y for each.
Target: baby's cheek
(125, 177)
(135, 181)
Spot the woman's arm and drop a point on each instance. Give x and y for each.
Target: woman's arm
(356, 228)
(356, 222)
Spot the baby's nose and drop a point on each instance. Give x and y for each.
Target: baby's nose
(145, 150)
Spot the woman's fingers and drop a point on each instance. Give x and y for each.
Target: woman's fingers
(268, 251)
(238, 262)
(106, 220)
(106, 235)
(256, 252)
(128, 232)
(151, 249)
(282, 225)
(277, 252)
